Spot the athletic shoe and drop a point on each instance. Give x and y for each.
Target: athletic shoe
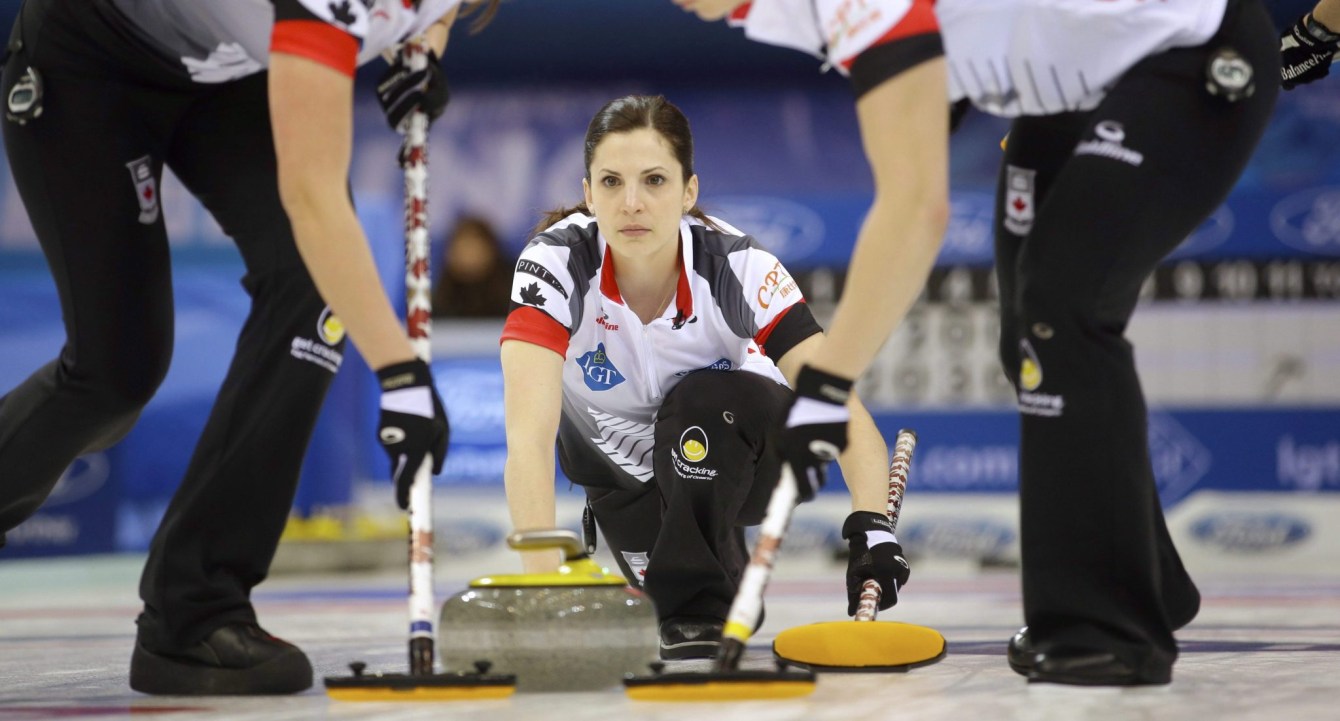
(690, 637)
(1079, 666)
(238, 659)
(1022, 656)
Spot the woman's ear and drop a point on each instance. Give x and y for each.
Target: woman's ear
(586, 195)
(691, 193)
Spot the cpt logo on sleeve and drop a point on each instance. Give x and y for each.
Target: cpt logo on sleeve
(597, 370)
(777, 281)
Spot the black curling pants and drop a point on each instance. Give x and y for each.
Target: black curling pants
(1088, 204)
(681, 535)
(102, 231)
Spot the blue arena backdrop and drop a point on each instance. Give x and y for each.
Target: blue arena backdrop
(778, 160)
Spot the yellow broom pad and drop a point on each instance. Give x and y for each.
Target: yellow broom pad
(721, 691)
(440, 693)
(860, 646)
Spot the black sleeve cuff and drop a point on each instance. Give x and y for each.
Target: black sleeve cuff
(883, 61)
(795, 326)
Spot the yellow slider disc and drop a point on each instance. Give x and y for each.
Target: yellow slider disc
(860, 646)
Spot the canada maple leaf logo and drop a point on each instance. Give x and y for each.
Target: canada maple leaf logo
(342, 13)
(530, 295)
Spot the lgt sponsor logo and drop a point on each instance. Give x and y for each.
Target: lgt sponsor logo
(1309, 221)
(1308, 467)
(959, 537)
(598, 370)
(1251, 532)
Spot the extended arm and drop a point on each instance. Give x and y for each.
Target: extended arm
(311, 110)
(532, 398)
(904, 128)
(874, 552)
(865, 461)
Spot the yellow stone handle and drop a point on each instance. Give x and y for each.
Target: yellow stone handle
(564, 540)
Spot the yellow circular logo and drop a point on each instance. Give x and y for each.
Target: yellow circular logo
(693, 444)
(694, 451)
(1030, 375)
(330, 328)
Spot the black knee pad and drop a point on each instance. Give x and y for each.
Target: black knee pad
(714, 426)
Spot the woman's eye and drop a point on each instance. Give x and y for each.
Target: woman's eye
(609, 181)
(656, 179)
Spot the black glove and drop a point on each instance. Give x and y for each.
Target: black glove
(816, 428)
(412, 424)
(401, 91)
(1306, 52)
(875, 553)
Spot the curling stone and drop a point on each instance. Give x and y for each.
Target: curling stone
(579, 629)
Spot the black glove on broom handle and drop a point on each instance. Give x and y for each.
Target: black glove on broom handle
(903, 446)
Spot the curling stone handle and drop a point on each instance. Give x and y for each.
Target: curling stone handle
(564, 540)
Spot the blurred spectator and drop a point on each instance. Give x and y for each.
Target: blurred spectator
(476, 279)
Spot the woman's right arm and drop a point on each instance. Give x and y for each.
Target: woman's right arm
(311, 111)
(532, 402)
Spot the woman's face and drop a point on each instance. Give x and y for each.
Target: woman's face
(637, 193)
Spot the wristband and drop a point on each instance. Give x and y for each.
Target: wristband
(1318, 31)
(814, 383)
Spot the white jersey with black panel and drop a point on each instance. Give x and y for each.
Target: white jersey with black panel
(1009, 57)
(219, 41)
(1041, 57)
(735, 304)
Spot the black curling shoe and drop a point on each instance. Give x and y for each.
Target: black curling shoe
(1022, 656)
(690, 637)
(238, 659)
(1079, 666)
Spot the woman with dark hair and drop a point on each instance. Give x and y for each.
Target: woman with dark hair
(1133, 120)
(251, 106)
(476, 280)
(658, 344)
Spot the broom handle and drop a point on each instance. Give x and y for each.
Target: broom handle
(418, 321)
(868, 605)
(748, 603)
